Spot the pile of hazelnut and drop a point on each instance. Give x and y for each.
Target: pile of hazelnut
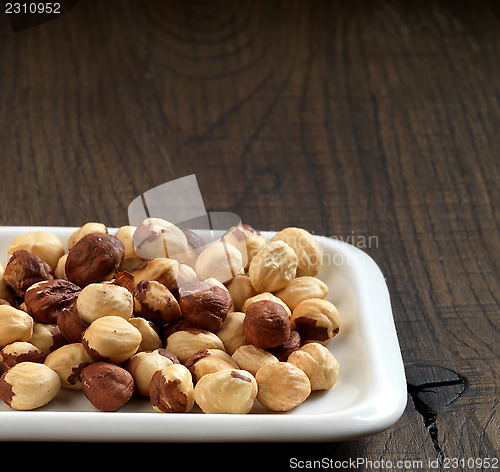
(155, 310)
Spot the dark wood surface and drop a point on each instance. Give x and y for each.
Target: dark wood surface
(348, 118)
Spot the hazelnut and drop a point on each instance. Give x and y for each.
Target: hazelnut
(273, 267)
(220, 261)
(94, 258)
(87, 228)
(150, 336)
(29, 385)
(125, 279)
(300, 289)
(60, 270)
(241, 289)
(247, 240)
(226, 391)
(47, 337)
(305, 246)
(143, 365)
(131, 260)
(107, 386)
(282, 386)
(103, 299)
(171, 390)
(162, 270)
(71, 325)
(19, 351)
(204, 305)
(25, 269)
(15, 325)
(232, 333)
(5, 291)
(196, 245)
(316, 320)
(252, 358)
(209, 361)
(266, 324)
(290, 345)
(187, 342)
(265, 296)
(46, 299)
(318, 363)
(68, 362)
(47, 246)
(111, 339)
(155, 302)
(156, 237)
(186, 275)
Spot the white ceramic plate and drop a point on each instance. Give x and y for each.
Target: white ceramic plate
(369, 396)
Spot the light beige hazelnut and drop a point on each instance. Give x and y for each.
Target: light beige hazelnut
(265, 296)
(158, 238)
(87, 228)
(226, 391)
(305, 246)
(60, 270)
(111, 339)
(67, 362)
(252, 358)
(247, 240)
(19, 351)
(316, 320)
(171, 390)
(300, 289)
(232, 333)
(163, 270)
(29, 385)
(15, 325)
(221, 261)
(282, 386)
(318, 363)
(187, 342)
(131, 260)
(241, 289)
(150, 337)
(209, 361)
(45, 245)
(186, 275)
(143, 365)
(102, 299)
(273, 267)
(47, 337)
(155, 302)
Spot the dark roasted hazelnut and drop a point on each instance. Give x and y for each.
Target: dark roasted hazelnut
(25, 269)
(155, 302)
(266, 324)
(107, 386)
(94, 258)
(45, 300)
(205, 304)
(71, 325)
(290, 345)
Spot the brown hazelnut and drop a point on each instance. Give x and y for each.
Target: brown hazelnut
(107, 386)
(204, 304)
(273, 267)
(71, 325)
(171, 390)
(266, 324)
(155, 302)
(45, 300)
(265, 296)
(29, 385)
(305, 246)
(316, 320)
(6, 292)
(290, 345)
(45, 245)
(19, 351)
(25, 269)
(94, 258)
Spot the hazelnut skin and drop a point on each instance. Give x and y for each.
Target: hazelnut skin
(155, 302)
(266, 324)
(171, 390)
(107, 386)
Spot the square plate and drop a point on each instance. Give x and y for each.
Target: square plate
(369, 396)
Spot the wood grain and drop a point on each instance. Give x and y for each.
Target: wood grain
(351, 119)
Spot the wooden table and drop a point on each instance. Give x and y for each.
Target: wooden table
(352, 119)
